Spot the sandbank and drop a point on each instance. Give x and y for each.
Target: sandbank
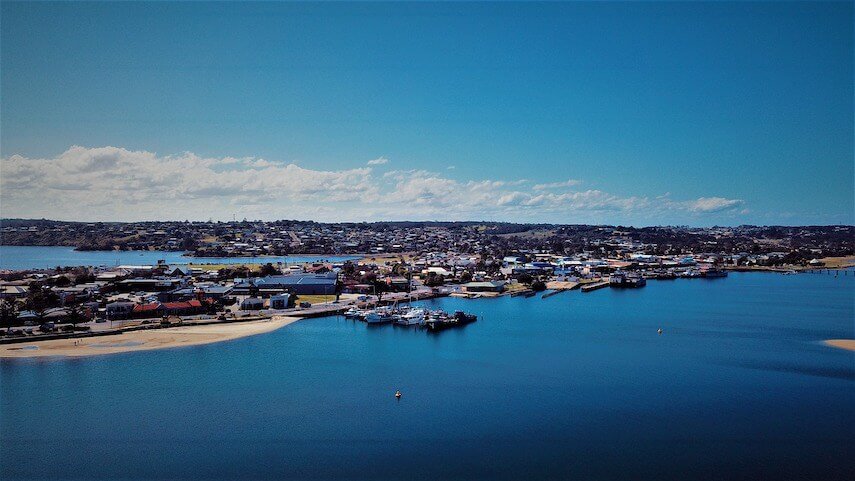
(144, 340)
(848, 344)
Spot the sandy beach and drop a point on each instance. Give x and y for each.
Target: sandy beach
(144, 340)
(848, 344)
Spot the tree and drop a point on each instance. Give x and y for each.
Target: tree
(349, 268)
(8, 313)
(525, 278)
(380, 287)
(188, 243)
(538, 286)
(75, 315)
(466, 277)
(40, 299)
(433, 280)
(269, 270)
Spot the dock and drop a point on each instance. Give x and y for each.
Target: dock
(553, 292)
(594, 286)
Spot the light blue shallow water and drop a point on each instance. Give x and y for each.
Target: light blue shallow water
(574, 386)
(43, 257)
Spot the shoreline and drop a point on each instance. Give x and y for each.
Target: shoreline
(845, 344)
(143, 340)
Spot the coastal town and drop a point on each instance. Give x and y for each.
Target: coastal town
(397, 263)
(780, 244)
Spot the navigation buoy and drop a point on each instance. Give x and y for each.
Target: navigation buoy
(397, 394)
(660, 330)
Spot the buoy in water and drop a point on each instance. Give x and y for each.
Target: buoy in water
(398, 394)
(660, 330)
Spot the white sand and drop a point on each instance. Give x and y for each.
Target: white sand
(144, 340)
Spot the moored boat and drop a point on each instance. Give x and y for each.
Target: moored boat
(440, 321)
(412, 317)
(621, 279)
(379, 316)
(714, 272)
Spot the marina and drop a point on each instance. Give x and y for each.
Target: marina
(406, 315)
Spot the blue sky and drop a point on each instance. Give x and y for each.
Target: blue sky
(630, 113)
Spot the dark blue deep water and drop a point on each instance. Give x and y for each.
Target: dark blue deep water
(577, 386)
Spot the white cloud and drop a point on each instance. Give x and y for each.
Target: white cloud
(557, 185)
(111, 183)
(378, 161)
(714, 204)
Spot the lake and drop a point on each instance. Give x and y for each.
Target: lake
(43, 257)
(576, 386)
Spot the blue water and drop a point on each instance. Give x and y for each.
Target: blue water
(576, 386)
(42, 257)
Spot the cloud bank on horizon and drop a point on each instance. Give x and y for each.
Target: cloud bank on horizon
(116, 184)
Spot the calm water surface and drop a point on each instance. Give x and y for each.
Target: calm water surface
(42, 257)
(575, 386)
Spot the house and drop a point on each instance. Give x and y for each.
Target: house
(13, 292)
(148, 311)
(180, 294)
(319, 268)
(72, 293)
(398, 283)
(119, 309)
(279, 301)
(216, 292)
(491, 286)
(512, 260)
(184, 308)
(177, 271)
(252, 304)
(438, 271)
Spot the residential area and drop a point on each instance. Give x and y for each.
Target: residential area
(471, 263)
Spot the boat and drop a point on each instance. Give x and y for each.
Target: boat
(667, 275)
(691, 274)
(353, 313)
(621, 279)
(379, 316)
(463, 318)
(412, 317)
(440, 321)
(714, 272)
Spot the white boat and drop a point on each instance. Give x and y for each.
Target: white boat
(378, 316)
(353, 313)
(412, 317)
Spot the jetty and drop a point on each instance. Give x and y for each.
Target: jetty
(593, 286)
(552, 293)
